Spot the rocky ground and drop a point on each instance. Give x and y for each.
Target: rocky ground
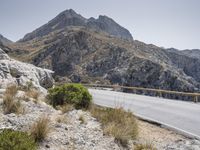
(68, 131)
(164, 139)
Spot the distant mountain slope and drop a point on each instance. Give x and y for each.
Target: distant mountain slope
(70, 18)
(83, 50)
(83, 55)
(195, 53)
(4, 40)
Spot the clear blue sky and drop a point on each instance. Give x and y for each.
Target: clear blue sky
(167, 23)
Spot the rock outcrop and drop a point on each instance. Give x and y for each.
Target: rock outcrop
(15, 72)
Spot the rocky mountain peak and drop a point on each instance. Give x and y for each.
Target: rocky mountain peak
(104, 17)
(69, 13)
(70, 18)
(108, 25)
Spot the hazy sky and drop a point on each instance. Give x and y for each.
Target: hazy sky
(167, 23)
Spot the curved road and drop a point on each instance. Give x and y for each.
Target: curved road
(178, 115)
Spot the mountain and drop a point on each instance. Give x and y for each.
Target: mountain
(195, 53)
(4, 40)
(4, 47)
(91, 54)
(70, 18)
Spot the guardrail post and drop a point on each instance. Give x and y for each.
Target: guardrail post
(160, 93)
(196, 99)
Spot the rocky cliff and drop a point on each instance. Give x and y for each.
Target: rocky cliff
(15, 72)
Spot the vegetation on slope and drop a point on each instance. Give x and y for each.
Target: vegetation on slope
(75, 94)
(16, 140)
(117, 122)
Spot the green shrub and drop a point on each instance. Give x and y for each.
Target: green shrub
(16, 140)
(75, 94)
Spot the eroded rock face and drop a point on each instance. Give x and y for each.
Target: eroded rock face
(84, 56)
(16, 72)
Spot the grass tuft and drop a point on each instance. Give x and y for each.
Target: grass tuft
(40, 129)
(117, 122)
(33, 93)
(11, 90)
(144, 147)
(65, 108)
(10, 105)
(82, 119)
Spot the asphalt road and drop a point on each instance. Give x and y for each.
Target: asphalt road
(178, 115)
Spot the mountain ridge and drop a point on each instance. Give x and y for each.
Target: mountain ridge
(71, 18)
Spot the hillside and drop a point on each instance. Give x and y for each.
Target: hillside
(81, 54)
(4, 40)
(25, 109)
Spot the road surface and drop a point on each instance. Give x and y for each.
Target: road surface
(178, 115)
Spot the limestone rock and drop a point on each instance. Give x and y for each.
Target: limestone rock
(16, 72)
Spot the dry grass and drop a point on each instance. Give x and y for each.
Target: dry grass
(117, 122)
(62, 119)
(40, 129)
(65, 108)
(10, 105)
(144, 147)
(33, 94)
(82, 119)
(11, 90)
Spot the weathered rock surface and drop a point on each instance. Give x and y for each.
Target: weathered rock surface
(15, 72)
(85, 56)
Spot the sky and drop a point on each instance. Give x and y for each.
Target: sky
(165, 23)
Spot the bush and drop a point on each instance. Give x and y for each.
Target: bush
(16, 140)
(75, 94)
(40, 129)
(117, 122)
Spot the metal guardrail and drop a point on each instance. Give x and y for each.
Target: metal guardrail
(160, 92)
